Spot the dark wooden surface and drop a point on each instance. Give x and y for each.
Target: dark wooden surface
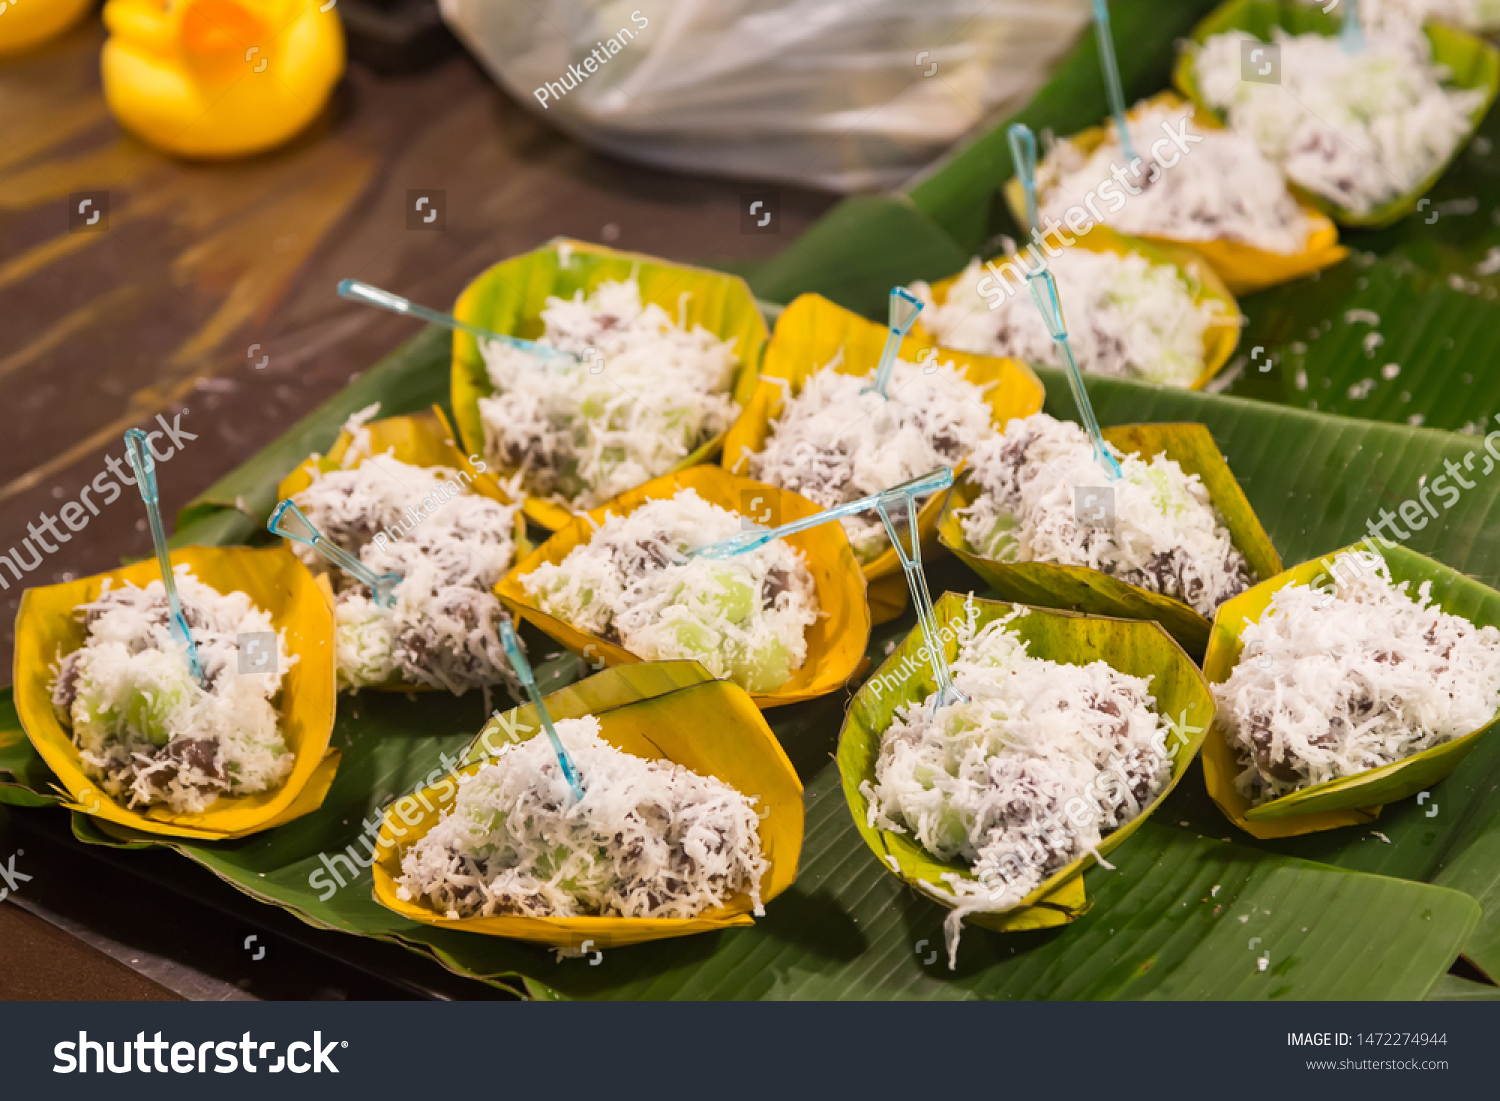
(101, 331)
(158, 314)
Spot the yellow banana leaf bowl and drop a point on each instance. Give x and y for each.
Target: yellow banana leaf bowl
(219, 78)
(1353, 800)
(1243, 268)
(1471, 63)
(48, 629)
(509, 298)
(1087, 590)
(1135, 647)
(673, 711)
(808, 334)
(835, 643)
(26, 26)
(418, 439)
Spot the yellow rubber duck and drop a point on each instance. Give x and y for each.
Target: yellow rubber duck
(219, 78)
(28, 23)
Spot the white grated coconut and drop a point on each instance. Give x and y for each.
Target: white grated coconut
(834, 442)
(450, 546)
(1358, 129)
(650, 839)
(1465, 14)
(1342, 677)
(1028, 776)
(1165, 536)
(145, 730)
(1221, 188)
(743, 617)
(580, 434)
(1125, 316)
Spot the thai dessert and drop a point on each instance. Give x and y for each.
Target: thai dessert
(1195, 183)
(633, 584)
(147, 732)
(1155, 528)
(1336, 679)
(1126, 317)
(1358, 129)
(1042, 762)
(648, 392)
(649, 839)
(837, 440)
(449, 544)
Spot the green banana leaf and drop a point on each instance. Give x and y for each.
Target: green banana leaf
(1136, 647)
(1471, 63)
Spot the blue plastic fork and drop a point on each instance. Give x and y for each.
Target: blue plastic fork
(1023, 154)
(138, 450)
(1111, 68)
(916, 580)
(356, 291)
(1352, 36)
(290, 522)
(1044, 290)
(903, 314)
(523, 673)
(748, 540)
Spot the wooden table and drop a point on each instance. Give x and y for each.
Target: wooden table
(209, 300)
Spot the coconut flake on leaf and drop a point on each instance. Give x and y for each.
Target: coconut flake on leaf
(1359, 130)
(1165, 535)
(1338, 679)
(837, 440)
(650, 839)
(743, 617)
(144, 728)
(1126, 317)
(649, 392)
(1028, 776)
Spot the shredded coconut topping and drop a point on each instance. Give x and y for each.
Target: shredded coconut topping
(1358, 129)
(1336, 679)
(1465, 14)
(837, 441)
(1207, 185)
(144, 728)
(1044, 498)
(650, 392)
(743, 617)
(650, 839)
(1028, 776)
(1125, 315)
(450, 546)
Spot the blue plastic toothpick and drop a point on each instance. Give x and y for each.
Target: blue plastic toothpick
(1352, 37)
(1112, 76)
(1023, 154)
(904, 309)
(748, 540)
(356, 291)
(911, 562)
(522, 669)
(138, 450)
(290, 522)
(1044, 290)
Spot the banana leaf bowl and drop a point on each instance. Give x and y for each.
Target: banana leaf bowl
(1243, 268)
(812, 331)
(418, 439)
(835, 643)
(1350, 800)
(509, 297)
(671, 711)
(47, 629)
(1471, 63)
(1082, 589)
(1135, 647)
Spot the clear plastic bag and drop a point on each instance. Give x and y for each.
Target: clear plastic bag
(850, 95)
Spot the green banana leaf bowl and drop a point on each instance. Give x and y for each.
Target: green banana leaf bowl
(1135, 647)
